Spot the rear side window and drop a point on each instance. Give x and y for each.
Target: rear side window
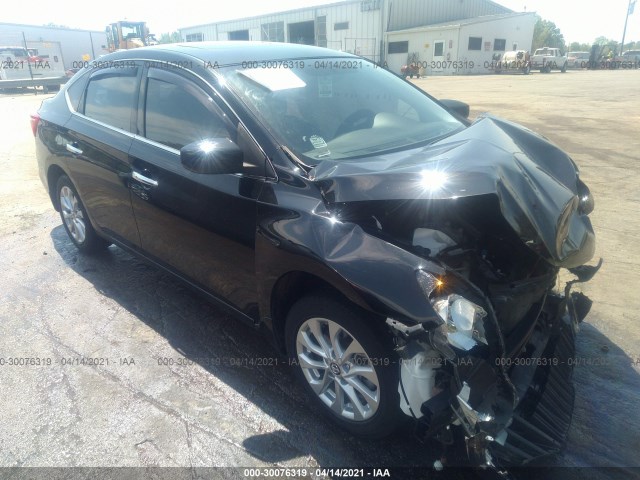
(111, 96)
(177, 114)
(75, 91)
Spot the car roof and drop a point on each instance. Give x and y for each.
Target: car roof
(233, 52)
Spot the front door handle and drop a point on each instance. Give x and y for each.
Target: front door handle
(75, 150)
(144, 180)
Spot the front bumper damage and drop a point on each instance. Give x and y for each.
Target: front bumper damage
(512, 401)
(484, 220)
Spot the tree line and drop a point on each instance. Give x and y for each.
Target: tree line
(547, 34)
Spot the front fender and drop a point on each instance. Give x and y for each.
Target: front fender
(371, 272)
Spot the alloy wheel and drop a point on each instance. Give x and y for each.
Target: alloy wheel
(72, 214)
(338, 369)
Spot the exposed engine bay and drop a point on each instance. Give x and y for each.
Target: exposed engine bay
(504, 319)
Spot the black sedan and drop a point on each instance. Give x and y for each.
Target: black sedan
(403, 258)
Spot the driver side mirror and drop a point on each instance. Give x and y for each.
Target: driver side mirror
(212, 156)
(457, 107)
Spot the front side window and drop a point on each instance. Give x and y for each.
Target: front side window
(499, 44)
(111, 96)
(176, 115)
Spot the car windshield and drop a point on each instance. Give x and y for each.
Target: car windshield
(338, 108)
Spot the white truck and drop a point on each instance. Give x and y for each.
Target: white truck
(39, 66)
(547, 59)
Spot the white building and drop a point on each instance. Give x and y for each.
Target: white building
(463, 46)
(390, 30)
(74, 45)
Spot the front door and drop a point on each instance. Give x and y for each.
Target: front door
(200, 225)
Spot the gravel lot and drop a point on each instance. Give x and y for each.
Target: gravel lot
(172, 383)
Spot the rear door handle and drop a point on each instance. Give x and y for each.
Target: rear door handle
(144, 180)
(72, 149)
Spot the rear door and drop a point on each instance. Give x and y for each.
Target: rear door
(199, 225)
(97, 141)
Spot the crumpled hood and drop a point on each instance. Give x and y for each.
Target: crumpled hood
(535, 182)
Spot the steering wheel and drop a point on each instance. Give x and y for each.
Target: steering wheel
(358, 120)
(297, 131)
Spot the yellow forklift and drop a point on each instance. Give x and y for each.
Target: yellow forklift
(126, 35)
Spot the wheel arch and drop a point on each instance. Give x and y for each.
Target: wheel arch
(296, 284)
(53, 174)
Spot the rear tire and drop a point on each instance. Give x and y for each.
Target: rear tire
(346, 364)
(75, 219)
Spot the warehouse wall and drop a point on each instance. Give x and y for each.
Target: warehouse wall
(516, 31)
(366, 22)
(423, 42)
(362, 36)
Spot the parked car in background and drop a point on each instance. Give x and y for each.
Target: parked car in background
(16, 53)
(547, 59)
(14, 63)
(578, 59)
(21, 68)
(403, 258)
(632, 55)
(628, 59)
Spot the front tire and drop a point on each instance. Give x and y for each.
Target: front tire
(346, 364)
(75, 219)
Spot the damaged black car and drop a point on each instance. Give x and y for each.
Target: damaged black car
(405, 259)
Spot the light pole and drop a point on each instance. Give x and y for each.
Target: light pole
(630, 9)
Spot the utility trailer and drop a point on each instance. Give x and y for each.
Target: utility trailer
(39, 65)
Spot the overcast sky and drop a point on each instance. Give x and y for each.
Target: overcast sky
(578, 20)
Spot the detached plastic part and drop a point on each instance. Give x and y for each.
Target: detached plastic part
(417, 378)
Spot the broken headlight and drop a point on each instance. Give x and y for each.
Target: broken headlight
(464, 319)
